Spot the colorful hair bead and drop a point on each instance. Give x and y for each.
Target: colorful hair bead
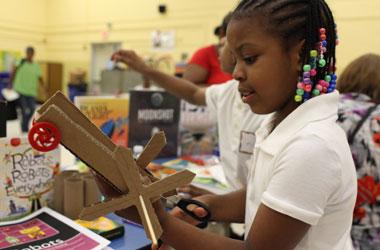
(313, 53)
(306, 68)
(308, 88)
(326, 82)
(298, 98)
(300, 92)
(328, 78)
(322, 63)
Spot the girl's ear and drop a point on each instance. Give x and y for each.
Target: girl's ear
(296, 55)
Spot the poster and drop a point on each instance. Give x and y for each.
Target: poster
(163, 40)
(151, 112)
(26, 177)
(46, 229)
(110, 114)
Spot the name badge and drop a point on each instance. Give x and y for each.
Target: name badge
(247, 142)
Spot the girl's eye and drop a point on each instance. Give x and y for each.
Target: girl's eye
(250, 59)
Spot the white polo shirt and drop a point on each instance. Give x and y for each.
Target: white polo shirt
(304, 169)
(236, 129)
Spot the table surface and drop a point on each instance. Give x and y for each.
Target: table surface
(134, 236)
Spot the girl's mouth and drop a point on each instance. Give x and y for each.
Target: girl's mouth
(246, 96)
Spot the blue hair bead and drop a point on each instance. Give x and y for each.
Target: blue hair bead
(324, 43)
(334, 77)
(306, 95)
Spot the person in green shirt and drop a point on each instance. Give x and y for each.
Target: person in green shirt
(26, 77)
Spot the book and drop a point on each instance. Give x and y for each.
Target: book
(103, 226)
(3, 118)
(109, 113)
(26, 177)
(47, 229)
(151, 112)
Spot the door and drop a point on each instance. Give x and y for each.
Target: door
(101, 54)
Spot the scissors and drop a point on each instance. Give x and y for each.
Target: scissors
(183, 204)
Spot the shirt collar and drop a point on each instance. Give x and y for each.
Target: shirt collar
(318, 108)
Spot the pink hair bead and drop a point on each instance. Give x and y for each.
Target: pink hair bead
(313, 72)
(324, 90)
(319, 87)
(322, 30)
(300, 85)
(308, 88)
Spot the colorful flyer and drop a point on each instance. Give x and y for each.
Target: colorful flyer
(47, 229)
(108, 113)
(26, 177)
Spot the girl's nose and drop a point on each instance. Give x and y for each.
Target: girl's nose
(238, 73)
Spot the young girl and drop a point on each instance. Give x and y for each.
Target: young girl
(302, 185)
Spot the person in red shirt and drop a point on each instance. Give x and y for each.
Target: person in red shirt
(204, 66)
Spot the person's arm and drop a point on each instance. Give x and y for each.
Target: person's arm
(181, 88)
(217, 206)
(196, 74)
(43, 86)
(12, 77)
(270, 230)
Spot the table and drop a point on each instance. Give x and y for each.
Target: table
(134, 236)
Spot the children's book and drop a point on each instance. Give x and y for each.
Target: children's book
(47, 229)
(209, 172)
(103, 226)
(3, 119)
(26, 177)
(108, 113)
(151, 112)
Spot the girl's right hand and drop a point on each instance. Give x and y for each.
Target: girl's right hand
(130, 58)
(180, 214)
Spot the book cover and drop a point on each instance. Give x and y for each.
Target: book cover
(3, 119)
(108, 113)
(26, 177)
(47, 229)
(150, 112)
(103, 226)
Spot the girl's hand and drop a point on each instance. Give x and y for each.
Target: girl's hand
(193, 191)
(130, 58)
(180, 214)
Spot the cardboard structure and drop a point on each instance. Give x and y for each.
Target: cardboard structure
(114, 164)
